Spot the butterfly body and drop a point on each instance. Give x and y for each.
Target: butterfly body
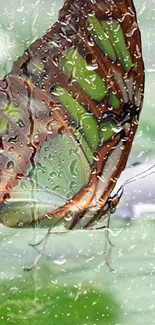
(69, 113)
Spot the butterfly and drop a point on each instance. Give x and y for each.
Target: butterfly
(69, 110)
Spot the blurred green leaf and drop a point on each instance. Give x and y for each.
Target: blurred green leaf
(55, 305)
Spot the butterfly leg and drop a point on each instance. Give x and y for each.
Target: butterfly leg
(41, 251)
(28, 268)
(107, 241)
(57, 232)
(107, 230)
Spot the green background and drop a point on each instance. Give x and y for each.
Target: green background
(72, 284)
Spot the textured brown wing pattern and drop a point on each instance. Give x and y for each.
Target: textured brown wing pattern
(93, 43)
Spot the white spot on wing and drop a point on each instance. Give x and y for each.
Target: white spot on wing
(137, 97)
(129, 84)
(108, 170)
(121, 85)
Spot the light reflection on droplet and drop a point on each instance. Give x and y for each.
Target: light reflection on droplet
(60, 262)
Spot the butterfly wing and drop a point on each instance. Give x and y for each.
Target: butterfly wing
(81, 89)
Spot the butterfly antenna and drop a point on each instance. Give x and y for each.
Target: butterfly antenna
(147, 172)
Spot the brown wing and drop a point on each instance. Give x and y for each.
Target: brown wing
(93, 54)
(72, 31)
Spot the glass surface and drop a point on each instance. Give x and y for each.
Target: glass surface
(72, 283)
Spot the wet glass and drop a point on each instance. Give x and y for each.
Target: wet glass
(72, 283)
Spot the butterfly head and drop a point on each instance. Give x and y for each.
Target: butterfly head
(114, 201)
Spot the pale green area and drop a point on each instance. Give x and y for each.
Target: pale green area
(76, 68)
(83, 143)
(74, 263)
(3, 125)
(108, 130)
(100, 37)
(113, 101)
(59, 167)
(60, 171)
(116, 34)
(84, 120)
(72, 274)
(110, 38)
(11, 112)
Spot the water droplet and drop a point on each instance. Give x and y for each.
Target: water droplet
(52, 126)
(11, 149)
(36, 138)
(73, 168)
(20, 224)
(60, 174)
(56, 188)
(73, 184)
(49, 127)
(96, 156)
(53, 174)
(69, 195)
(60, 262)
(10, 165)
(68, 218)
(14, 289)
(14, 139)
(21, 123)
(91, 67)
